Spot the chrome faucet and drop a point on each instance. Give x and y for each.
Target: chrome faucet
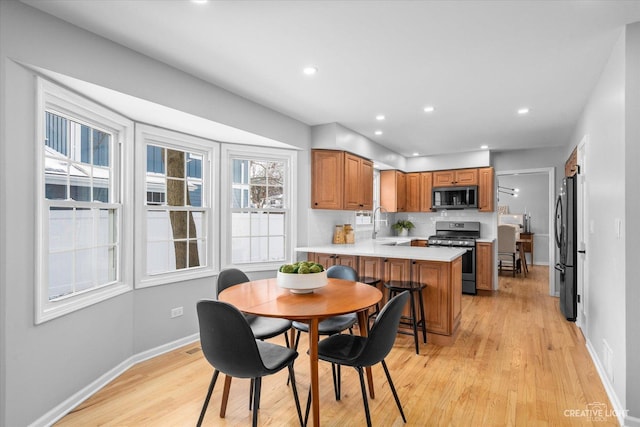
(380, 210)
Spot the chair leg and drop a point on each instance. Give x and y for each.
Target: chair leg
(292, 376)
(206, 400)
(297, 341)
(286, 339)
(307, 409)
(422, 316)
(335, 372)
(256, 399)
(251, 387)
(365, 401)
(513, 264)
(414, 324)
(393, 390)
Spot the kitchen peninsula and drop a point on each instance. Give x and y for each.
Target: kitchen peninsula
(439, 268)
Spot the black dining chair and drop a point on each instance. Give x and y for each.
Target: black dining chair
(230, 347)
(334, 324)
(262, 327)
(361, 352)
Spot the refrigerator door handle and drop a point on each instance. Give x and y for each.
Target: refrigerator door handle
(560, 268)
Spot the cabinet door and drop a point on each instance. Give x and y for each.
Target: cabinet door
(426, 187)
(401, 191)
(420, 243)
(352, 187)
(392, 190)
(348, 260)
(443, 178)
(466, 177)
(486, 190)
(484, 266)
(413, 192)
(326, 260)
(397, 269)
(366, 184)
(327, 176)
(371, 267)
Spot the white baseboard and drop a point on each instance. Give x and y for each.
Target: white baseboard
(620, 411)
(76, 399)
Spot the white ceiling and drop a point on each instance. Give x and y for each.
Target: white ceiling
(477, 62)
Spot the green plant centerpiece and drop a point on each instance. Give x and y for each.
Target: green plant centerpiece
(402, 227)
(301, 277)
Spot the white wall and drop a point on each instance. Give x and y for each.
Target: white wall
(41, 366)
(603, 121)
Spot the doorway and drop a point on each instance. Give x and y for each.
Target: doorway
(541, 221)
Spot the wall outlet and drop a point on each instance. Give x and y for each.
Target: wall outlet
(176, 312)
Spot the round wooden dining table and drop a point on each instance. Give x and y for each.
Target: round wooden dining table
(265, 298)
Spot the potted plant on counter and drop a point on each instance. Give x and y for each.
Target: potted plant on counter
(402, 227)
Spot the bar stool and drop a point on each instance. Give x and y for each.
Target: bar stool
(371, 281)
(396, 287)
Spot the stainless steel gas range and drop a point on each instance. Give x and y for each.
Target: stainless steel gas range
(461, 234)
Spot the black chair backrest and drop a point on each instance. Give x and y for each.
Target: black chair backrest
(230, 277)
(384, 331)
(342, 272)
(227, 341)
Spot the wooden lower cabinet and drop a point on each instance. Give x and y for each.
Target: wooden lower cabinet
(484, 266)
(443, 294)
(442, 297)
(327, 260)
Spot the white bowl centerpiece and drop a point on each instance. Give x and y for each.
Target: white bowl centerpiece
(302, 277)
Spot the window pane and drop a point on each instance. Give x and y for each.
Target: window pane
(155, 159)
(181, 255)
(56, 133)
(106, 227)
(158, 226)
(84, 267)
(259, 249)
(105, 265)
(259, 224)
(160, 257)
(198, 221)
(236, 200)
(276, 248)
(85, 144)
(175, 163)
(60, 274)
(60, 229)
(194, 255)
(101, 180)
(175, 192)
(276, 223)
(195, 193)
(179, 224)
(101, 143)
(55, 178)
(241, 250)
(240, 224)
(194, 165)
(84, 228)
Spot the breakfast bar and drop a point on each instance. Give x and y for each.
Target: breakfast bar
(438, 268)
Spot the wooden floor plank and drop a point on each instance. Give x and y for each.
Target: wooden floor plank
(516, 362)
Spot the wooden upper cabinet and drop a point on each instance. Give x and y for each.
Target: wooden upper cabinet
(486, 190)
(393, 190)
(455, 177)
(426, 187)
(413, 192)
(341, 180)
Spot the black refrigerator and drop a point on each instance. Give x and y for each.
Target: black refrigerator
(566, 240)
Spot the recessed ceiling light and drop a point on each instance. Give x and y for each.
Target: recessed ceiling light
(516, 190)
(416, 154)
(378, 132)
(429, 109)
(523, 111)
(484, 147)
(310, 70)
(380, 117)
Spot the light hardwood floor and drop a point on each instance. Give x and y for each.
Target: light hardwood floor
(516, 362)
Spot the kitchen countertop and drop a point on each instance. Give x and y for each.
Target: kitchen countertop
(389, 247)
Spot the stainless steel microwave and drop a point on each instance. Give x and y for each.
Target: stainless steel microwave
(455, 197)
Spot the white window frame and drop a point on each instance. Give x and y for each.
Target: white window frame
(147, 134)
(51, 97)
(290, 157)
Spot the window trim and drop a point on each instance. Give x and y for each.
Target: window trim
(50, 96)
(228, 152)
(147, 134)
